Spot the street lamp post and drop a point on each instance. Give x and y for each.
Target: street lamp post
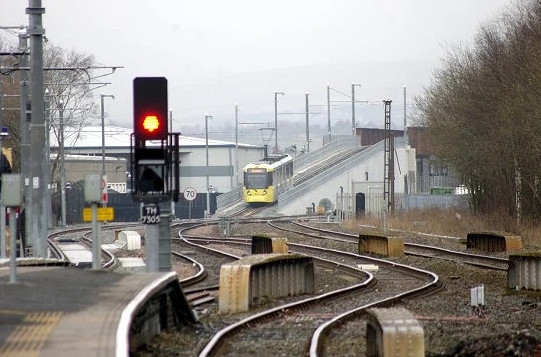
(276, 120)
(103, 132)
(207, 117)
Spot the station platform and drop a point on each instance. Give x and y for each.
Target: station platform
(65, 311)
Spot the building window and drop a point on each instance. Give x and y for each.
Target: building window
(438, 169)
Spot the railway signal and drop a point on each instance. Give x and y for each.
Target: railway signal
(151, 178)
(154, 157)
(150, 108)
(151, 160)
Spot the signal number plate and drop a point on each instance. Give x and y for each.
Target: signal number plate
(151, 215)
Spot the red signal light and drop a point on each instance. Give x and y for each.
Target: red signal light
(151, 123)
(150, 108)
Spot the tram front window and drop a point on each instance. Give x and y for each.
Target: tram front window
(256, 181)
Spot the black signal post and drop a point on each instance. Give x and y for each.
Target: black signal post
(154, 150)
(154, 166)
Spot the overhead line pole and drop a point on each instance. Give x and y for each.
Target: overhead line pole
(237, 143)
(307, 124)
(405, 119)
(276, 120)
(353, 107)
(62, 163)
(207, 117)
(3, 241)
(38, 156)
(25, 118)
(329, 111)
(103, 172)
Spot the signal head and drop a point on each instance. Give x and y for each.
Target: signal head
(150, 108)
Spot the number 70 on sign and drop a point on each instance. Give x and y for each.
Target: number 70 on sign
(190, 194)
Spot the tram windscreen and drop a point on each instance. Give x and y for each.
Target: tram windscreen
(256, 178)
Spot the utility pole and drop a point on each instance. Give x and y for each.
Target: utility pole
(329, 111)
(307, 124)
(237, 143)
(276, 151)
(388, 164)
(3, 241)
(353, 107)
(103, 131)
(38, 157)
(405, 120)
(62, 163)
(25, 139)
(207, 117)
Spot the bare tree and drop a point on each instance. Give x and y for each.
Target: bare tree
(68, 86)
(484, 115)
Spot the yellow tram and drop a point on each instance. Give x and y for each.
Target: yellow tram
(265, 180)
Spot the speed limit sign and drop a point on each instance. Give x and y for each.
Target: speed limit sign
(190, 194)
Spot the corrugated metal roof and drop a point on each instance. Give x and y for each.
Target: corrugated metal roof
(90, 137)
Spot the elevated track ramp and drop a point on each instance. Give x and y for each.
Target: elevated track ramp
(303, 166)
(323, 153)
(321, 179)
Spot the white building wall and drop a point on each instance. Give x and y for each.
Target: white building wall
(221, 159)
(366, 178)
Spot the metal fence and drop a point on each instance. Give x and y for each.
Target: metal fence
(126, 210)
(301, 162)
(229, 198)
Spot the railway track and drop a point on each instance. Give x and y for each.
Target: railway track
(338, 321)
(414, 249)
(301, 327)
(309, 313)
(73, 246)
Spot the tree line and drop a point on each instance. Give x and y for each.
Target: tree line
(482, 112)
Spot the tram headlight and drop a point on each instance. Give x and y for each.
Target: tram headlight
(264, 192)
(248, 192)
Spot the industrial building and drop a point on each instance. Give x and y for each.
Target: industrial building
(356, 186)
(85, 154)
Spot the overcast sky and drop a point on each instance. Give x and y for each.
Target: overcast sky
(216, 53)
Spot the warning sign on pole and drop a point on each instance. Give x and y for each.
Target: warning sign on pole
(104, 189)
